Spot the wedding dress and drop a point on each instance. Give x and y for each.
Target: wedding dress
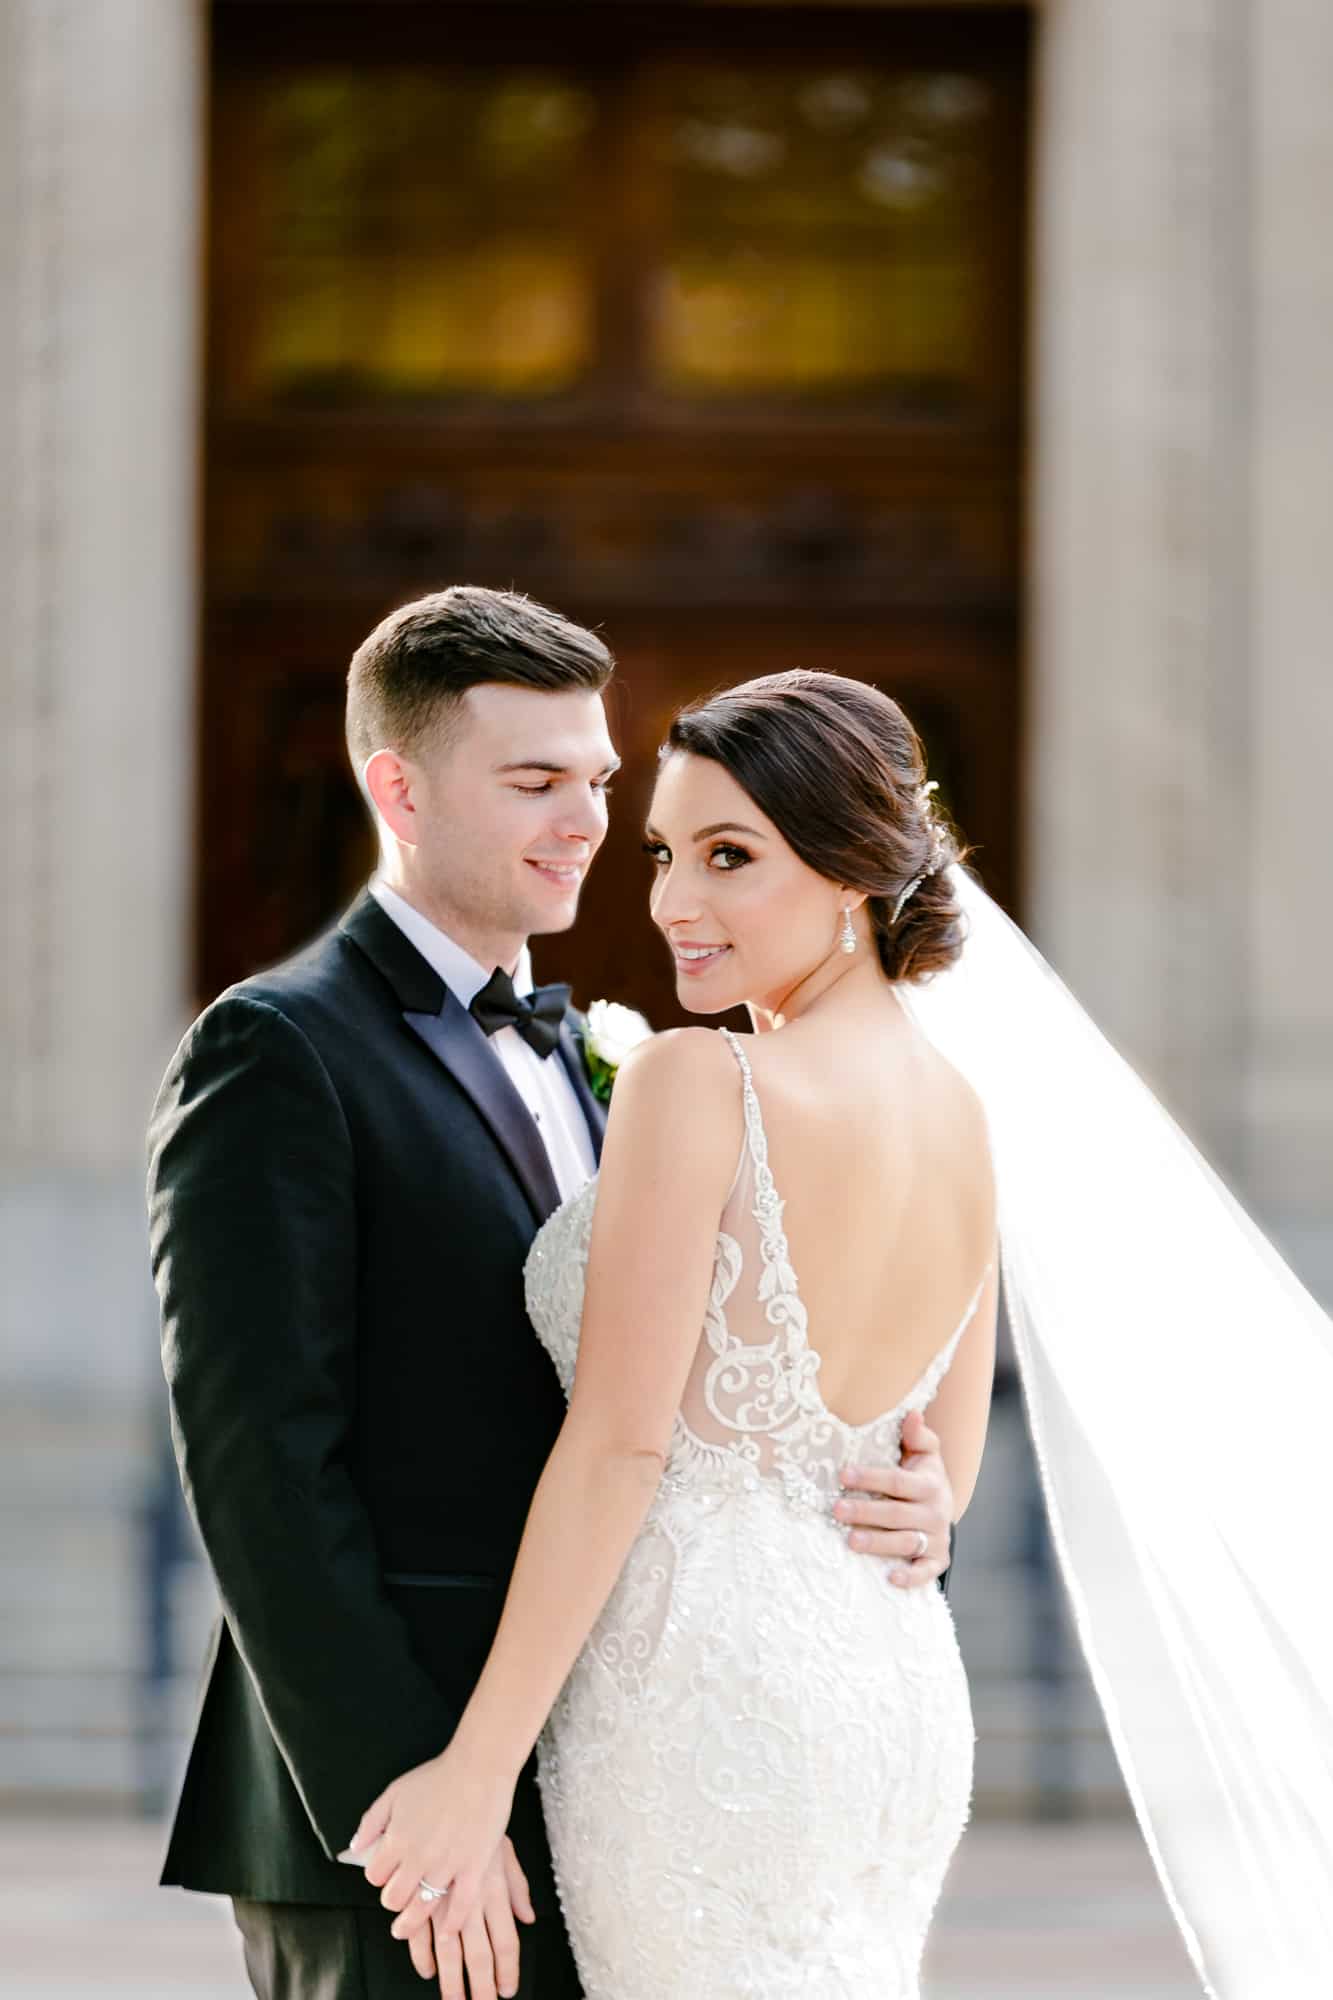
(760, 1766)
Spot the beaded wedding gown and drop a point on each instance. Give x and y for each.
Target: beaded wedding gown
(759, 1767)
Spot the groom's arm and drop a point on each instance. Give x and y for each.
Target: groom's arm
(254, 1237)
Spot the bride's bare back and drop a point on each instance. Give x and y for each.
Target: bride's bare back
(878, 1148)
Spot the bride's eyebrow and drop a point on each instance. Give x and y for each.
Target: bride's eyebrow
(727, 826)
(706, 832)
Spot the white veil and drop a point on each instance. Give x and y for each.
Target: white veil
(1158, 1334)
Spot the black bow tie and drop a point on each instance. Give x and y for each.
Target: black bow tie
(537, 1017)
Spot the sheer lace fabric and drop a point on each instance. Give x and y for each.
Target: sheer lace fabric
(760, 1766)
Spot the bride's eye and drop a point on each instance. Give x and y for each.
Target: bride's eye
(658, 852)
(728, 858)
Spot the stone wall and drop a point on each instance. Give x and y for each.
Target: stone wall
(1178, 856)
(1179, 717)
(100, 131)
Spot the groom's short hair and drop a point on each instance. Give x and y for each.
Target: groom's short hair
(419, 662)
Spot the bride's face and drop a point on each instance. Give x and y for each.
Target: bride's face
(745, 918)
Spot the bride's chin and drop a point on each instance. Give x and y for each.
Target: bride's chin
(697, 1003)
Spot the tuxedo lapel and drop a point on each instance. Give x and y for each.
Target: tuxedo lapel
(570, 1051)
(460, 1045)
(441, 1021)
(416, 985)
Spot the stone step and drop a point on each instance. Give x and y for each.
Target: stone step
(81, 1712)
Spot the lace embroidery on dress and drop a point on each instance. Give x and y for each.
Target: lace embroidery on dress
(752, 1401)
(759, 1767)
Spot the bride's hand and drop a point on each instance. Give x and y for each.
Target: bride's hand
(440, 1824)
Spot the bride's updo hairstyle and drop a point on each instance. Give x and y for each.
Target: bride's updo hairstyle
(840, 771)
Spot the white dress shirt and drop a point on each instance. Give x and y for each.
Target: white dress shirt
(541, 1081)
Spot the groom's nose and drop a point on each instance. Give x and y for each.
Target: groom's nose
(582, 817)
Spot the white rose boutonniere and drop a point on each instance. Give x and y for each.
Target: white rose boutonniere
(611, 1033)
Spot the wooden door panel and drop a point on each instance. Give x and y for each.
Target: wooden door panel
(955, 683)
(832, 492)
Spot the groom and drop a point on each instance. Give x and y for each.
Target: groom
(350, 1156)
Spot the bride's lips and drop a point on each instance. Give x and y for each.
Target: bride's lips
(693, 960)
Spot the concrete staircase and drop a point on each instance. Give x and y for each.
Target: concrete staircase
(1042, 1747)
(87, 1712)
(104, 1610)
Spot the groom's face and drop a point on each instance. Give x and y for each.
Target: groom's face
(512, 808)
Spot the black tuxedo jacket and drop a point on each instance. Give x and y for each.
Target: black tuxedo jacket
(343, 1188)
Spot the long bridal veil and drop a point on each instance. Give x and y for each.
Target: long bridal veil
(1164, 1346)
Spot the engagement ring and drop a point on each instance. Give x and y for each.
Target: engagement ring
(428, 1893)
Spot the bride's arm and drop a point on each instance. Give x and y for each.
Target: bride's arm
(667, 1164)
(669, 1156)
(961, 1410)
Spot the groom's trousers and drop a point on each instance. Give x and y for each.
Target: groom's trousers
(309, 1951)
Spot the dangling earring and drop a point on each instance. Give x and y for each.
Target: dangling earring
(847, 942)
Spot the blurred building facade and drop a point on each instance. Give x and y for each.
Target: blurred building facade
(982, 350)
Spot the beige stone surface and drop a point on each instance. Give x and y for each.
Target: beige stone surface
(1179, 714)
(1179, 862)
(101, 138)
(1030, 1913)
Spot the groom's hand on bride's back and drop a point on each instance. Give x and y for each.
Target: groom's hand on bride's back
(888, 1508)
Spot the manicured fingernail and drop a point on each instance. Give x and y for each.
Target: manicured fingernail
(856, 1539)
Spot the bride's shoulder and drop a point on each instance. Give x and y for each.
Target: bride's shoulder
(679, 1059)
(683, 1088)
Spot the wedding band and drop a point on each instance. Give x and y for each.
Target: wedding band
(922, 1544)
(428, 1893)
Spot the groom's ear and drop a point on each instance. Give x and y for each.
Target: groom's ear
(388, 780)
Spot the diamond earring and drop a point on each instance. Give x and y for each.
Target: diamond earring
(847, 941)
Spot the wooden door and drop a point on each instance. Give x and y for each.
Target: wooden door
(704, 325)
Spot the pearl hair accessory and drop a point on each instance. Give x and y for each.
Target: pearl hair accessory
(939, 855)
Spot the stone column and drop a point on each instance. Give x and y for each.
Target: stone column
(99, 386)
(1290, 1066)
(100, 140)
(1182, 568)
(1137, 775)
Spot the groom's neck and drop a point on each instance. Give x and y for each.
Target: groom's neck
(488, 947)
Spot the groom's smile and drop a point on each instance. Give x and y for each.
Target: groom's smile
(564, 874)
(496, 820)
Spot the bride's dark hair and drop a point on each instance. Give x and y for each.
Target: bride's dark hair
(839, 770)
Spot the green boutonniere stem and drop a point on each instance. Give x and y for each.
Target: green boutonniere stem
(601, 1076)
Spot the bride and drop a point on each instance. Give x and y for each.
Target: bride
(755, 1751)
